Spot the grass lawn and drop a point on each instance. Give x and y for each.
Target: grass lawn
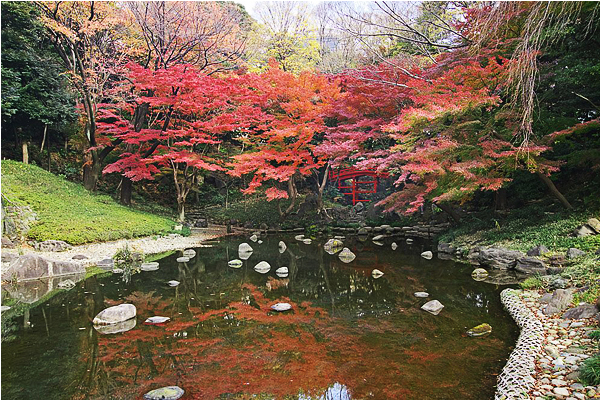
(66, 211)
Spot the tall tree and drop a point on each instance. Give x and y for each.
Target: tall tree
(35, 94)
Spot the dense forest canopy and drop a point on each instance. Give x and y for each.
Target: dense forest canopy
(453, 99)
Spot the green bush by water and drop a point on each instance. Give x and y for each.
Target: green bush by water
(66, 211)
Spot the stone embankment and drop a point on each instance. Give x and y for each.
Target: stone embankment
(555, 351)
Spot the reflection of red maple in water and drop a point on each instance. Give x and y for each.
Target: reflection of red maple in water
(246, 349)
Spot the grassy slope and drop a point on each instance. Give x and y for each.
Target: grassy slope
(66, 211)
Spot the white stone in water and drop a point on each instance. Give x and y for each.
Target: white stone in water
(394, 246)
(262, 267)
(378, 238)
(165, 393)
(173, 283)
(119, 327)
(433, 307)
(479, 274)
(282, 247)
(299, 237)
(377, 243)
(112, 315)
(282, 272)
(4, 308)
(254, 238)
(421, 294)
(235, 263)
(149, 266)
(376, 274)
(156, 320)
(66, 284)
(260, 242)
(307, 241)
(183, 259)
(428, 255)
(189, 253)
(409, 240)
(245, 251)
(346, 256)
(333, 246)
(281, 307)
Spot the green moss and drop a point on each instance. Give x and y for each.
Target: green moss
(66, 211)
(534, 282)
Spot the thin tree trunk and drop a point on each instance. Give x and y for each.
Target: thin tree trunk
(320, 205)
(126, 188)
(25, 153)
(449, 210)
(548, 182)
(500, 199)
(44, 138)
(181, 210)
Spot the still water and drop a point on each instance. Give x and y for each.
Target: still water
(348, 335)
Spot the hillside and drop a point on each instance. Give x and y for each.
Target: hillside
(66, 211)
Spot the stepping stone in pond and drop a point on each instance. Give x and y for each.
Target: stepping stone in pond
(428, 255)
(377, 243)
(149, 266)
(307, 241)
(409, 240)
(165, 393)
(262, 267)
(479, 274)
(282, 247)
(282, 272)
(299, 237)
(421, 294)
(376, 274)
(433, 307)
(333, 246)
(254, 238)
(378, 238)
(281, 307)
(189, 253)
(245, 251)
(346, 256)
(260, 242)
(156, 320)
(115, 314)
(394, 246)
(480, 330)
(66, 284)
(173, 283)
(235, 263)
(183, 259)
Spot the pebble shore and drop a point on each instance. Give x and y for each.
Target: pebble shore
(566, 346)
(96, 252)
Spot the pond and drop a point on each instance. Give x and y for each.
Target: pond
(347, 336)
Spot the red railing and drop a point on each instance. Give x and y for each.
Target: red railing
(342, 175)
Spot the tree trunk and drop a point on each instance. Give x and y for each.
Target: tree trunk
(321, 186)
(548, 182)
(91, 171)
(25, 153)
(449, 210)
(292, 193)
(181, 210)
(44, 138)
(126, 188)
(139, 121)
(500, 199)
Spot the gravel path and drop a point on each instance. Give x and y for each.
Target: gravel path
(147, 245)
(566, 346)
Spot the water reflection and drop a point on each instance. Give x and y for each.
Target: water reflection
(223, 341)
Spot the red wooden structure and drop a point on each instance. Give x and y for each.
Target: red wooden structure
(357, 186)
